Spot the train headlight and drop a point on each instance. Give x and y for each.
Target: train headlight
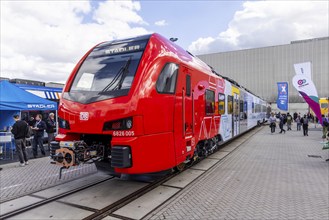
(122, 124)
(129, 123)
(62, 123)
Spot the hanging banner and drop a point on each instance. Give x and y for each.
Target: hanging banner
(282, 101)
(306, 88)
(303, 69)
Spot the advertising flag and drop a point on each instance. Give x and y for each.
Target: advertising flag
(303, 69)
(282, 101)
(306, 88)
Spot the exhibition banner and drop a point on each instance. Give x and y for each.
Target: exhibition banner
(282, 101)
(306, 88)
(303, 69)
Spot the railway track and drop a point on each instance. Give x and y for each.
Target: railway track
(51, 199)
(110, 210)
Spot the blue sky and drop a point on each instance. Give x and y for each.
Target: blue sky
(189, 20)
(43, 40)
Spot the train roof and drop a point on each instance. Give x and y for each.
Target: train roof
(184, 56)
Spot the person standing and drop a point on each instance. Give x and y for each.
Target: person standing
(51, 128)
(289, 121)
(304, 122)
(272, 121)
(19, 131)
(295, 116)
(298, 122)
(281, 123)
(39, 128)
(325, 125)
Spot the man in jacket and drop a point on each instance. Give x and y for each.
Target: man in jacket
(51, 128)
(38, 128)
(19, 131)
(304, 122)
(289, 121)
(281, 123)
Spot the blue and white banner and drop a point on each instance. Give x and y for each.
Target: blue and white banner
(282, 101)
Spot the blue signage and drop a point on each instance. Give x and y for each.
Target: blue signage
(282, 101)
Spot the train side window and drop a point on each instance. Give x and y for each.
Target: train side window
(221, 103)
(210, 102)
(166, 82)
(188, 85)
(230, 104)
(241, 106)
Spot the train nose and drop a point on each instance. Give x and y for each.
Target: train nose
(85, 121)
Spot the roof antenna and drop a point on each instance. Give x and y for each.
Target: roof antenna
(173, 39)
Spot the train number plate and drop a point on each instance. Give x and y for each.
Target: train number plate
(123, 133)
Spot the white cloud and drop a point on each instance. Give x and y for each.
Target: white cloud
(161, 23)
(267, 23)
(43, 40)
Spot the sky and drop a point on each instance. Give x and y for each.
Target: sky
(43, 40)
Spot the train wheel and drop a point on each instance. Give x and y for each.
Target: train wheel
(180, 167)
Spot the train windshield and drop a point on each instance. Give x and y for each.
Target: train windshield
(107, 72)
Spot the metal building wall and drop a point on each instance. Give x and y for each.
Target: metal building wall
(259, 69)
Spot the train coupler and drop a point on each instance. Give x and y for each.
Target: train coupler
(73, 153)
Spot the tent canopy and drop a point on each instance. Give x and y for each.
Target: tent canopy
(14, 98)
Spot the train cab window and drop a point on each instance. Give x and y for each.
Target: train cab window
(230, 104)
(166, 82)
(221, 103)
(188, 85)
(210, 101)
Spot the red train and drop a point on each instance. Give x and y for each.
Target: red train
(145, 105)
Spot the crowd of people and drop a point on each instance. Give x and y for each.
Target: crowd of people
(301, 122)
(33, 129)
(24, 129)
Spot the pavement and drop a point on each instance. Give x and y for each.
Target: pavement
(6, 159)
(16, 181)
(258, 176)
(270, 176)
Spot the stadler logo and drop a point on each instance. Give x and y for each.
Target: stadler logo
(40, 106)
(301, 81)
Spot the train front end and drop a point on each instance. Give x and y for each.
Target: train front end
(99, 117)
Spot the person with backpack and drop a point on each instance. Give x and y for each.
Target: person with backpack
(304, 122)
(289, 121)
(19, 131)
(272, 120)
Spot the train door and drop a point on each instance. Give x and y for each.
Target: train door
(236, 112)
(184, 116)
(188, 109)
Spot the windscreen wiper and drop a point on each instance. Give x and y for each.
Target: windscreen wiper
(120, 76)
